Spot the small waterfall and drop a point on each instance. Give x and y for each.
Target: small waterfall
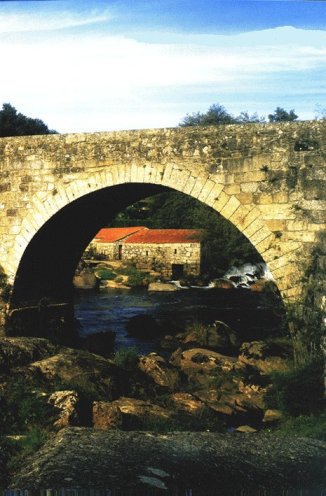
(247, 274)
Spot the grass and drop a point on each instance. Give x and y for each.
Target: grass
(298, 391)
(126, 358)
(312, 426)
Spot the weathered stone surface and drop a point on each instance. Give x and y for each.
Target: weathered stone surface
(265, 357)
(272, 416)
(202, 461)
(15, 352)
(74, 368)
(127, 413)
(162, 286)
(199, 364)
(187, 402)
(276, 180)
(217, 336)
(86, 280)
(156, 367)
(223, 284)
(66, 402)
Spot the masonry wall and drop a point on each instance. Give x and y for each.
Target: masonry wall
(269, 180)
(161, 257)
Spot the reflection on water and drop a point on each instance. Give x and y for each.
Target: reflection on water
(251, 314)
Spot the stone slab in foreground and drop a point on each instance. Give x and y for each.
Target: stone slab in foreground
(86, 458)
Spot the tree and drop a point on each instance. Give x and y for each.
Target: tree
(223, 244)
(17, 124)
(245, 118)
(281, 115)
(216, 114)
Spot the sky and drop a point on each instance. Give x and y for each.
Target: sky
(95, 65)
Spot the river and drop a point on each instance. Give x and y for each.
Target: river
(253, 315)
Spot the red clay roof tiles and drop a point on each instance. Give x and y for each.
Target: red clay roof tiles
(140, 234)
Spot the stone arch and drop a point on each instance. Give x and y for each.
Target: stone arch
(204, 187)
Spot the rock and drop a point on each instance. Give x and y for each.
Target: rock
(246, 429)
(272, 416)
(66, 402)
(162, 286)
(262, 285)
(18, 351)
(187, 402)
(86, 279)
(199, 361)
(223, 284)
(100, 343)
(217, 336)
(204, 462)
(143, 327)
(263, 357)
(80, 369)
(127, 413)
(156, 367)
(106, 415)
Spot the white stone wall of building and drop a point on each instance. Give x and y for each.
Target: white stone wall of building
(162, 257)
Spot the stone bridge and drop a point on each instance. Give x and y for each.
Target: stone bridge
(56, 191)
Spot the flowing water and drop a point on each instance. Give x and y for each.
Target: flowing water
(251, 314)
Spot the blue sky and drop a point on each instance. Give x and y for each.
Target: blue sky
(105, 65)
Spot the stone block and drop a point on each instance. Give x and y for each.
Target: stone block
(249, 187)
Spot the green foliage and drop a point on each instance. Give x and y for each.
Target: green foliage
(299, 391)
(17, 124)
(222, 244)
(281, 115)
(136, 277)
(313, 426)
(105, 274)
(126, 358)
(22, 408)
(216, 114)
(7, 451)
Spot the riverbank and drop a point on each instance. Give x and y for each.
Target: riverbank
(45, 387)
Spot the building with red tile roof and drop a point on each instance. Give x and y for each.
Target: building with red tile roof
(172, 252)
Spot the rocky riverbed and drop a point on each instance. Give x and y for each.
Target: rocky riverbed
(196, 413)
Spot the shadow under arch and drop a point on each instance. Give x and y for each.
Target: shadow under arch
(48, 264)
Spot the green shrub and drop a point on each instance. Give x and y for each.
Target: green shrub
(105, 274)
(313, 426)
(126, 358)
(22, 408)
(298, 391)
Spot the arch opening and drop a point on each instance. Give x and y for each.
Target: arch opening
(48, 265)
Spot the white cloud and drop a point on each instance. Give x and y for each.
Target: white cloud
(101, 81)
(39, 21)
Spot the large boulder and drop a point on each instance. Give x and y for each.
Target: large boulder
(217, 336)
(78, 369)
(163, 286)
(66, 405)
(159, 371)
(101, 343)
(201, 365)
(86, 279)
(128, 414)
(143, 327)
(18, 351)
(265, 357)
(201, 462)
